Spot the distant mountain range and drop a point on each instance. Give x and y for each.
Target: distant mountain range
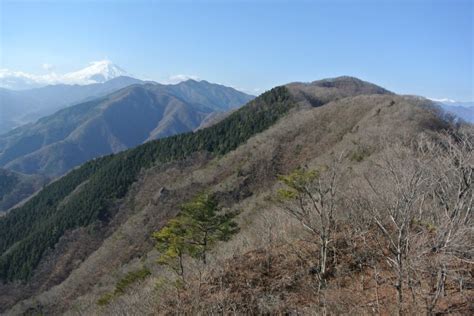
(463, 110)
(109, 124)
(21, 107)
(96, 72)
(25, 97)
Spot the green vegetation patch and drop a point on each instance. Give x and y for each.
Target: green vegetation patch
(359, 154)
(124, 283)
(193, 232)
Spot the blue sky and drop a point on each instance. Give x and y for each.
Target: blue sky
(413, 47)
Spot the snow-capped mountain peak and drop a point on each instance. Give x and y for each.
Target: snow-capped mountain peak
(444, 100)
(95, 72)
(453, 103)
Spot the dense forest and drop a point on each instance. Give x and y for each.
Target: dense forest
(28, 231)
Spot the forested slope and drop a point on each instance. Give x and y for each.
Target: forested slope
(28, 231)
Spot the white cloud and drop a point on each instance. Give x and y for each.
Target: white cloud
(445, 100)
(99, 71)
(255, 91)
(180, 78)
(47, 67)
(18, 79)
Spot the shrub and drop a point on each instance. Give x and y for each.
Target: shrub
(123, 284)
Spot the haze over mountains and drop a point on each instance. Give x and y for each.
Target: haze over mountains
(123, 119)
(21, 107)
(463, 110)
(15, 187)
(24, 97)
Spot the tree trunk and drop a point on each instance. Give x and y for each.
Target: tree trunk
(181, 268)
(204, 259)
(399, 284)
(323, 259)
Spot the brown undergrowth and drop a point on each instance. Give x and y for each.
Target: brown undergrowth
(280, 280)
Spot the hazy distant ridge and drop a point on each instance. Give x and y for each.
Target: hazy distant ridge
(121, 120)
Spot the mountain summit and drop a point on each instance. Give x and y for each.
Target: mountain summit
(95, 72)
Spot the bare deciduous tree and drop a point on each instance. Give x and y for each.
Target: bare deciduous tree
(311, 197)
(394, 205)
(451, 177)
(420, 197)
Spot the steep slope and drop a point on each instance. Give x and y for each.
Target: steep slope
(85, 196)
(15, 187)
(122, 199)
(21, 107)
(124, 119)
(214, 118)
(215, 96)
(259, 267)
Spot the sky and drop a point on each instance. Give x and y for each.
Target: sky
(410, 47)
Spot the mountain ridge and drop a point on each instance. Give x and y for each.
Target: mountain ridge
(111, 205)
(22, 107)
(123, 119)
